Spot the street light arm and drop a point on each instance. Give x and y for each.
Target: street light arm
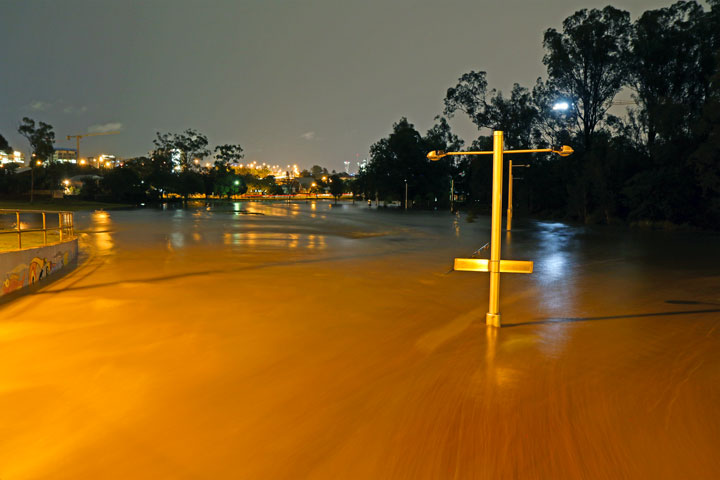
(563, 151)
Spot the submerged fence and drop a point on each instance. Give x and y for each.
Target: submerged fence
(34, 228)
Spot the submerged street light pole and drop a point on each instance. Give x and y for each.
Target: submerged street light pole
(510, 194)
(495, 266)
(406, 194)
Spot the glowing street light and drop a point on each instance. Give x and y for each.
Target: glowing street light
(495, 266)
(561, 106)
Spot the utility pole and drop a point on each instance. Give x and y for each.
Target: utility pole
(406, 194)
(452, 193)
(32, 176)
(510, 194)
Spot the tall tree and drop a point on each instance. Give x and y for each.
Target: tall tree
(40, 137)
(469, 96)
(317, 171)
(587, 63)
(441, 137)
(670, 69)
(337, 186)
(228, 154)
(4, 145)
(516, 115)
(184, 148)
(705, 159)
(551, 125)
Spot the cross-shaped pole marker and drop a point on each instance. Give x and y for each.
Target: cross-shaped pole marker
(495, 266)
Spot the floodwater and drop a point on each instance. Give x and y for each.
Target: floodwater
(293, 341)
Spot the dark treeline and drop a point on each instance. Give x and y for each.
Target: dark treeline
(179, 165)
(659, 162)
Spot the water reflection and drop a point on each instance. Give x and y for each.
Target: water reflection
(176, 240)
(554, 265)
(554, 261)
(553, 338)
(100, 232)
(264, 240)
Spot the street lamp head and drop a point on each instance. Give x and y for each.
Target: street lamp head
(436, 155)
(563, 151)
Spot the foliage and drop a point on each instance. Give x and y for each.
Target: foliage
(670, 69)
(183, 148)
(588, 62)
(659, 162)
(337, 186)
(227, 154)
(40, 137)
(4, 145)
(517, 115)
(400, 160)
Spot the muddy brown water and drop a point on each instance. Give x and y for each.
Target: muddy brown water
(276, 340)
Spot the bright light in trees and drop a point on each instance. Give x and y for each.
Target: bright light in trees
(561, 106)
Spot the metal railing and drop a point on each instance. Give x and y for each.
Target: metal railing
(64, 230)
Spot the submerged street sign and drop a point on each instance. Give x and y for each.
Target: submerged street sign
(483, 265)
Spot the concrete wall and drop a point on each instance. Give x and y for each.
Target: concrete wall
(23, 268)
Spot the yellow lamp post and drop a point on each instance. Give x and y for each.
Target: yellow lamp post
(495, 266)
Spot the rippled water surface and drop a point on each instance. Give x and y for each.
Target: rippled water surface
(313, 340)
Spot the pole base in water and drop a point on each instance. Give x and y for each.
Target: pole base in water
(492, 319)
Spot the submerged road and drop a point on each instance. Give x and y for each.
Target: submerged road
(289, 341)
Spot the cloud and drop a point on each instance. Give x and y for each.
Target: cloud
(105, 127)
(72, 110)
(39, 105)
(308, 136)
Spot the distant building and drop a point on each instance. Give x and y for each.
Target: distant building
(65, 155)
(14, 157)
(103, 161)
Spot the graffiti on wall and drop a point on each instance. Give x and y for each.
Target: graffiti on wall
(25, 275)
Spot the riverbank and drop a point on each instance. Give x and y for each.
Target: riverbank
(72, 205)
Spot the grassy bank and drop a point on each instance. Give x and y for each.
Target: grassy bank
(59, 204)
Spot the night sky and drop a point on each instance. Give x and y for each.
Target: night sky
(292, 82)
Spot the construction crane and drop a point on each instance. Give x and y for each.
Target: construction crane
(83, 135)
